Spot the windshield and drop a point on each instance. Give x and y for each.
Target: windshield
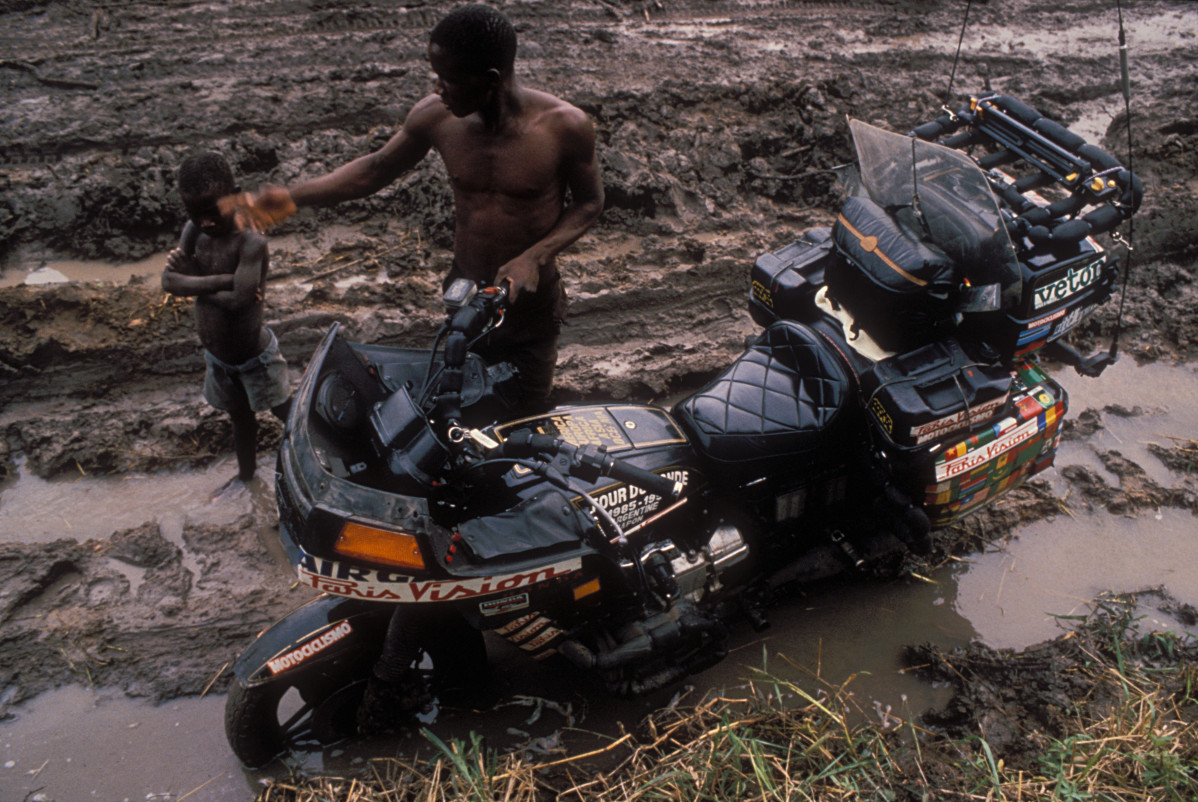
(950, 199)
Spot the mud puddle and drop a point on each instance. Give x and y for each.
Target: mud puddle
(72, 270)
(86, 507)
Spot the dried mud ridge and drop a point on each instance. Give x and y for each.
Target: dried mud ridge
(719, 127)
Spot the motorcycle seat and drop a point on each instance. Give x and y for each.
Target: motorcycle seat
(779, 400)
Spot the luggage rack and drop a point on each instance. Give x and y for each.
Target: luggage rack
(1098, 192)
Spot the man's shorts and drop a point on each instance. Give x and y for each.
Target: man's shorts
(261, 383)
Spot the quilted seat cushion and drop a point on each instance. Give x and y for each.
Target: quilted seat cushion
(780, 399)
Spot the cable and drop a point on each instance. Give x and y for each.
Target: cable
(948, 95)
(1126, 86)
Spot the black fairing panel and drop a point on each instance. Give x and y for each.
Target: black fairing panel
(782, 399)
(545, 521)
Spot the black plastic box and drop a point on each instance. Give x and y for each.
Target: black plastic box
(923, 396)
(783, 283)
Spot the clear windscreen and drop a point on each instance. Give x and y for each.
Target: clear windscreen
(949, 197)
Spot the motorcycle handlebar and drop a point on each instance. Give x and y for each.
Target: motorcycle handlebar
(646, 480)
(591, 460)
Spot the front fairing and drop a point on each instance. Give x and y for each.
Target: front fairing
(525, 533)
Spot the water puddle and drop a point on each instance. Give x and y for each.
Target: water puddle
(1055, 568)
(69, 270)
(76, 743)
(36, 510)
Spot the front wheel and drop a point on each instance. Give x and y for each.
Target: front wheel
(321, 702)
(264, 720)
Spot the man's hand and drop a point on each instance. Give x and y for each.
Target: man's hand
(522, 273)
(259, 211)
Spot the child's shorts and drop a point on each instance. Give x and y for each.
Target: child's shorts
(261, 383)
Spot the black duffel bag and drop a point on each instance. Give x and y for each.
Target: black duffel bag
(900, 289)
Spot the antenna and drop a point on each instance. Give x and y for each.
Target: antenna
(915, 191)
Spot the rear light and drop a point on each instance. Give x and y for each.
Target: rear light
(384, 546)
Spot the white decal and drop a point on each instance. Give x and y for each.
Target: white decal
(540, 640)
(629, 504)
(1075, 316)
(314, 646)
(983, 454)
(958, 420)
(505, 605)
(1071, 283)
(1050, 317)
(340, 579)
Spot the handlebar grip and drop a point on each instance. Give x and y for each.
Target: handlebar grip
(646, 480)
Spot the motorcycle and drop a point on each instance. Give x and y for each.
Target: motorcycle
(894, 388)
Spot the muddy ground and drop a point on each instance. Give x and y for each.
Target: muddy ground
(719, 127)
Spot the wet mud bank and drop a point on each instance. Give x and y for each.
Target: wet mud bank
(720, 127)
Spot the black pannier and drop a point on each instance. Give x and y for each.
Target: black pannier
(901, 290)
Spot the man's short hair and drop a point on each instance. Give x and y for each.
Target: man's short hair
(480, 37)
(204, 170)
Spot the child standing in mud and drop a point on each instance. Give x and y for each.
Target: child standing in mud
(224, 269)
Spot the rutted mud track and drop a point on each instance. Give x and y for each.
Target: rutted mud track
(719, 123)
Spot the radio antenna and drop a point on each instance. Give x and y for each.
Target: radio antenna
(1125, 75)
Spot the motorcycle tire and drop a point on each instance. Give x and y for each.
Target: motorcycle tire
(265, 719)
(258, 732)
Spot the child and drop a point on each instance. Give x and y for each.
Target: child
(224, 268)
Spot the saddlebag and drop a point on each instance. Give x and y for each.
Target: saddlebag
(898, 288)
(958, 473)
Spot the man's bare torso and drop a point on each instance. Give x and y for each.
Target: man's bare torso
(509, 185)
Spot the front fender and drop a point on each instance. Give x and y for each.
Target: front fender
(326, 635)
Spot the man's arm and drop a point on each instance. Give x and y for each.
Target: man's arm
(580, 168)
(359, 178)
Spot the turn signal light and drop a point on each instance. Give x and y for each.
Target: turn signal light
(379, 546)
(586, 589)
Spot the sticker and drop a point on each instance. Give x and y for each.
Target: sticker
(514, 624)
(528, 631)
(586, 426)
(1073, 282)
(628, 505)
(508, 604)
(983, 454)
(541, 640)
(1076, 316)
(884, 419)
(341, 579)
(761, 293)
(312, 647)
(1044, 321)
(958, 420)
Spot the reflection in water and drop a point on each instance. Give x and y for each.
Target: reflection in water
(75, 744)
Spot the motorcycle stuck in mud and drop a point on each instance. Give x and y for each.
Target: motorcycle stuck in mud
(894, 388)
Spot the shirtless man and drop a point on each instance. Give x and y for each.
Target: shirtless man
(224, 269)
(512, 154)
